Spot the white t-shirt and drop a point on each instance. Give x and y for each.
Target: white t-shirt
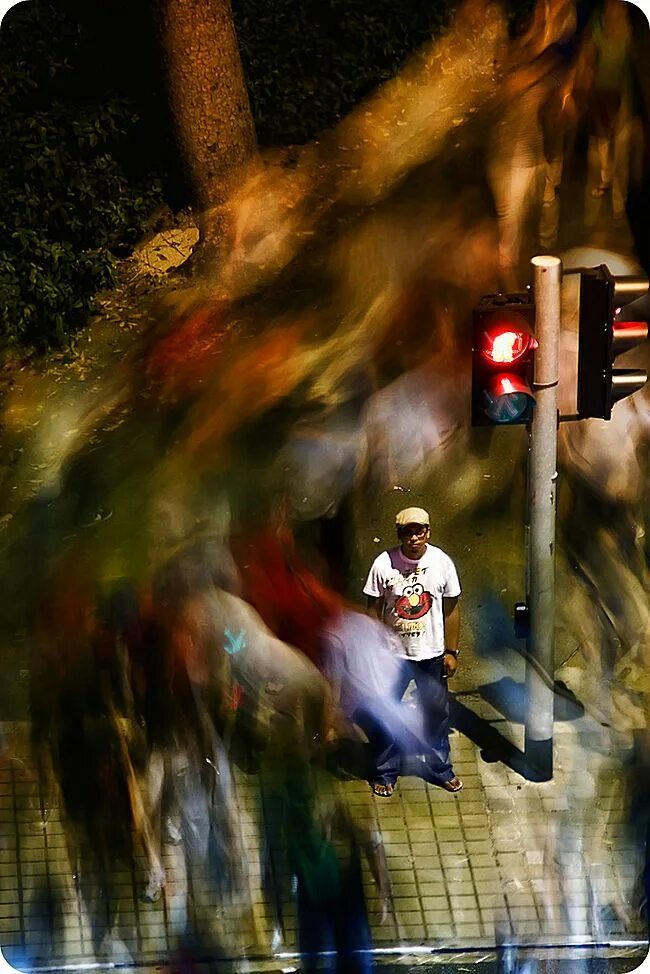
(413, 592)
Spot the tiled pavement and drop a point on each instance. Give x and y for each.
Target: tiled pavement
(553, 862)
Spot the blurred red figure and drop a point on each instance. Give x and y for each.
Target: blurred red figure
(181, 360)
(293, 603)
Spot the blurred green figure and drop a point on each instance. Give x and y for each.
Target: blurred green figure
(325, 846)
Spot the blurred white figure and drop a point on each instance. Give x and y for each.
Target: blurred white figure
(323, 460)
(609, 113)
(514, 170)
(413, 423)
(517, 164)
(362, 663)
(604, 466)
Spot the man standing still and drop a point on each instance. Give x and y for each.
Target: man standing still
(414, 589)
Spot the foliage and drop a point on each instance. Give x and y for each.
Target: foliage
(79, 172)
(307, 62)
(67, 199)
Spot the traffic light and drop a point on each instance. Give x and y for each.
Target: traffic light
(503, 353)
(603, 334)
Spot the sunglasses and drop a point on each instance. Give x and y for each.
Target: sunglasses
(409, 531)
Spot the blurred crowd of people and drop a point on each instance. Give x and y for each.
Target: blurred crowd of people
(144, 696)
(577, 83)
(148, 690)
(219, 647)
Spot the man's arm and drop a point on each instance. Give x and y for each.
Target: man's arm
(451, 613)
(375, 606)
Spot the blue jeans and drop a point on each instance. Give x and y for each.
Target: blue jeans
(433, 698)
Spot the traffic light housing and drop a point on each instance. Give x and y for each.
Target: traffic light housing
(602, 336)
(503, 354)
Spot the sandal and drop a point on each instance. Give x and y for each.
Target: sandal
(382, 790)
(453, 785)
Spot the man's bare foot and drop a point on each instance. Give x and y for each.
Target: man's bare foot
(453, 785)
(382, 791)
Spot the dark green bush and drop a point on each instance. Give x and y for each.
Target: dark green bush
(68, 202)
(79, 172)
(307, 62)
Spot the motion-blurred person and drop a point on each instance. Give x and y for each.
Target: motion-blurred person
(189, 770)
(609, 111)
(359, 656)
(289, 598)
(602, 525)
(414, 588)
(640, 821)
(215, 905)
(414, 423)
(559, 115)
(326, 845)
(262, 667)
(98, 755)
(362, 663)
(516, 166)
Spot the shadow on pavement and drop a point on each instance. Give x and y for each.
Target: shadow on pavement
(492, 744)
(349, 758)
(509, 698)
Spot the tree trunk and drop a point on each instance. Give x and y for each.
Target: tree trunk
(209, 104)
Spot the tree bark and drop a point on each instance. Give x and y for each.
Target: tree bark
(209, 104)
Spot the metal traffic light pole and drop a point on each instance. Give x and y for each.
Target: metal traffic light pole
(542, 477)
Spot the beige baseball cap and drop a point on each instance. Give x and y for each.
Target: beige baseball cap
(411, 515)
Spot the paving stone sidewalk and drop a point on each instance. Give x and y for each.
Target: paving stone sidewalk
(541, 863)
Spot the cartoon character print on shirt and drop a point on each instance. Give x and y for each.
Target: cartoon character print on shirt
(414, 602)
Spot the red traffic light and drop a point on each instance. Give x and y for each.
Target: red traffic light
(506, 339)
(503, 350)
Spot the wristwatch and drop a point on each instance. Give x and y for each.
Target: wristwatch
(452, 652)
